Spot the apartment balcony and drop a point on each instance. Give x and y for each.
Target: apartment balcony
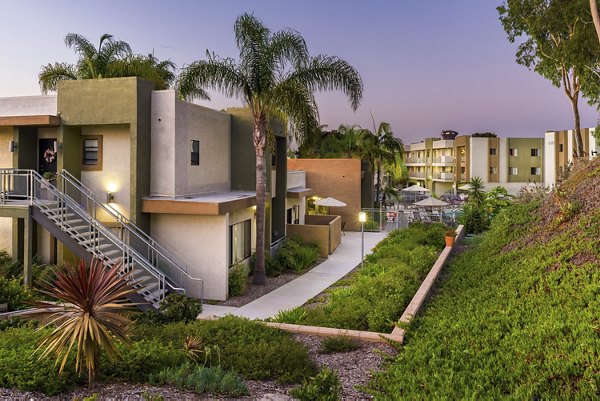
(414, 161)
(443, 161)
(416, 174)
(443, 177)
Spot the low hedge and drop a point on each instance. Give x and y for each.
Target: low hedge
(374, 296)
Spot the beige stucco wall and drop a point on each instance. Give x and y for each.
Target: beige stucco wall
(319, 234)
(174, 125)
(44, 244)
(6, 158)
(115, 166)
(6, 234)
(338, 178)
(200, 242)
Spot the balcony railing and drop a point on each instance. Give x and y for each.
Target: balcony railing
(415, 160)
(444, 159)
(444, 176)
(416, 174)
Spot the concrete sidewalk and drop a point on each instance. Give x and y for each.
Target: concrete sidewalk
(297, 292)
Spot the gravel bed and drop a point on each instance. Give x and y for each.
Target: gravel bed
(254, 291)
(353, 368)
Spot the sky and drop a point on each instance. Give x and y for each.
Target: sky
(427, 65)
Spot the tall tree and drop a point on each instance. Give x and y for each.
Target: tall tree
(559, 44)
(111, 59)
(380, 147)
(275, 77)
(595, 17)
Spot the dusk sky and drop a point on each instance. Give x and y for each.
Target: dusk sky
(427, 65)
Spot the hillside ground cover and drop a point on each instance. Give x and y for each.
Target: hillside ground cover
(374, 296)
(517, 316)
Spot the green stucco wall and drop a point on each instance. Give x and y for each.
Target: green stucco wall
(524, 161)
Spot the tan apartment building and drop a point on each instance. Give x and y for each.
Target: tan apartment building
(559, 147)
(442, 165)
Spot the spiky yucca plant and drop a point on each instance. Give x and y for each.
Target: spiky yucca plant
(90, 315)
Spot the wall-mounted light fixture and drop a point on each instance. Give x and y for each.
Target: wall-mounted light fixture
(12, 146)
(110, 197)
(58, 146)
(594, 153)
(110, 194)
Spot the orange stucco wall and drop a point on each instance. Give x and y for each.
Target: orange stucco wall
(338, 178)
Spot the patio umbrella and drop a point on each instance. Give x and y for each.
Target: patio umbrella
(431, 202)
(466, 187)
(415, 188)
(329, 202)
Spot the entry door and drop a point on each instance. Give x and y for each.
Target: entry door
(47, 155)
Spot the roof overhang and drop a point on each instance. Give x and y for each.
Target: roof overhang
(207, 204)
(299, 192)
(30, 121)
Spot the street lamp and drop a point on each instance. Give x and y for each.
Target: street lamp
(362, 217)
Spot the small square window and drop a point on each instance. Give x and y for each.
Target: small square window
(195, 152)
(535, 152)
(492, 151)
(512, 171)
(535, 171)
(92, 153)
(513, 152)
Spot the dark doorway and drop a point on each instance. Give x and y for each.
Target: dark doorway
(47, 156)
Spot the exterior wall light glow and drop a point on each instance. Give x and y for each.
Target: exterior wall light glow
(110, 194)
(110, 197)
(362, 217)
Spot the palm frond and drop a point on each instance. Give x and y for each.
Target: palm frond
(217, 74)
(51, 74)
(298, 105)
(331, 73)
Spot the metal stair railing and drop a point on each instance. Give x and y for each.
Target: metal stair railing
(131, 234)
(29, 187)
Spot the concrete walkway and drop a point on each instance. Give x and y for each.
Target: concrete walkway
(298, 291)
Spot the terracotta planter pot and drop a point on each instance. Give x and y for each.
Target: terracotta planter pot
(449, 241)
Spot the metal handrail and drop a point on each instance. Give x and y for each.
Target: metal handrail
(154, 248)
(33, 177)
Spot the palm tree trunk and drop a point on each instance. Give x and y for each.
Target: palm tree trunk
(259, 138)
(378, 184)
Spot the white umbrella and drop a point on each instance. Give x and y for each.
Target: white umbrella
(416, 188)
(466, 187)
(431, 202)
(331, 202)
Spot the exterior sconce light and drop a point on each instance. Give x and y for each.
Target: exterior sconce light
(12, 146)
(362, 217)
(58, 146)
(110, 197)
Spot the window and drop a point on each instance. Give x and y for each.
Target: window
(512, 171)
(195, 152)
(513, 152)
(92, 153)
(492, 151)
(535, 152)
(240, 241)
(560, 147)
(493, 170)
(535, 171)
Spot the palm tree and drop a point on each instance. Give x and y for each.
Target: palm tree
(276, 78)
(379, 147)
(476, 192)
(111, 59)
(389, 193)
(90, 316)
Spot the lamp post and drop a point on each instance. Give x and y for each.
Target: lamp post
(362, 217)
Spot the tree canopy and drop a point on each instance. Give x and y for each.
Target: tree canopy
(558, 42)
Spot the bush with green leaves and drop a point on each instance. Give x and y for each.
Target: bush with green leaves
(20, 368)
(13, 293)
(238, 279)
(297, 255)
(251, 349)
(374, 296)
(325, 386)
(200, 379)
(333, 345)
(174, 308)
(515, 318)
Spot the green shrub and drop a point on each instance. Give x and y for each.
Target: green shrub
(515, 318)
(250, 348)
(238, 279)
(8, 267)
(21, 369)
(213, 380)
(323, 387)
(332, 345)
(13, 293)
(292, 316)
(174, 308)
(297, 255)
(17, 322)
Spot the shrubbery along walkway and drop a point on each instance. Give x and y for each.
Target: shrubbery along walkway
(295, 293)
